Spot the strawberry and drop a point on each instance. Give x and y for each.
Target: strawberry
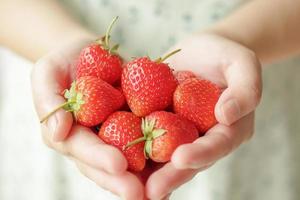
(91, 100)
(125, 106)
(195, 100)
(100, 60)
(120, 128)
(148, 85)
(164, 132)
(181, 76)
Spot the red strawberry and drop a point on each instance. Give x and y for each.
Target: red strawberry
(100, 60)
(120, 128)
(195, 100)
(125, 106)
(91, 100)
(181, 76)
(164, 132)
(148, 85)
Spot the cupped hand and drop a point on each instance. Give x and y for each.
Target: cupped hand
(238, 72)
(230, 65)
(103, 164)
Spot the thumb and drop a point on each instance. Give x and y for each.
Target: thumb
(48, 81)
(244, 90)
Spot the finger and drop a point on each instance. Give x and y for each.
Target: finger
(244, 89)
(217, 142)
(85, 146)
(168, 178)
(49, 79)
(127, 186)
(148, 170)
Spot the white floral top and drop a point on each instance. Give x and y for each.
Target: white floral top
(265, 168)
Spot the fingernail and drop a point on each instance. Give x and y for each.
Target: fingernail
(52, 124)
(230, 111)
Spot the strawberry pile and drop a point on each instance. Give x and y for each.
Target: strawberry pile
(142, 107)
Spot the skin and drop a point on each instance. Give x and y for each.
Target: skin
(236, 44)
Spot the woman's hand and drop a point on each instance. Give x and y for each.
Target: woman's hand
(237, 70)
(224, 62)
(104, 164)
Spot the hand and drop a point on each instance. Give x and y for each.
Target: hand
(53, 73)
(102, 163)
(237, 70)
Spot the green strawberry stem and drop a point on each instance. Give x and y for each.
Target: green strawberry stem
(67, 103)
(73, 103)
(107, 34)
(134, 142)
(150, 133)
(162, 59)
(104, 41)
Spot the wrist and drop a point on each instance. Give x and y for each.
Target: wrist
(249, 39)
(67, 38)
(73, 35)
(228, 33)
(78, 35)
(242, 37)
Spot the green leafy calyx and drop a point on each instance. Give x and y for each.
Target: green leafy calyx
(149, 134)
(74, 99)
(73, 103)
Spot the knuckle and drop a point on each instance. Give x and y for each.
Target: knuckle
(37, 69)
(227, 143)
(47, 142)
(34, 72)
(209, 148)
(41, 63)
(63, 150)
(250, 136)
(256, 88)
(59, 147)
(81, 169)
(207, 166)
(255, 93)
(250, 133)
(251, 55)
